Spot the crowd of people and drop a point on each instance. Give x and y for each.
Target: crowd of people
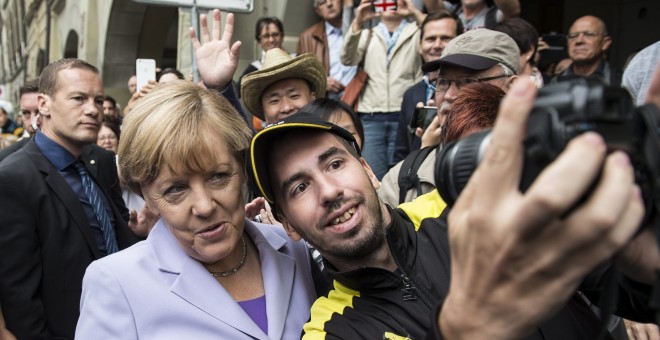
(272, 209)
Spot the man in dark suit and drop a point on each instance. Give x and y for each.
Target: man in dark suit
(437, 30)
(62, 206)
(29, 109)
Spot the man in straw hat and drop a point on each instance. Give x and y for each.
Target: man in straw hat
(283, 85)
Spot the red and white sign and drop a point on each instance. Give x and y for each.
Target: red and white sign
(384, 5)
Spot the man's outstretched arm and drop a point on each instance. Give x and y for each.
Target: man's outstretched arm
(518, 257)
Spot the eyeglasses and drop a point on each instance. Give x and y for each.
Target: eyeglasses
(587, 34)
(271, 35)
(443, 84)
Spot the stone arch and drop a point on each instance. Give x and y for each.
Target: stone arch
(134, 31)
(71, 45)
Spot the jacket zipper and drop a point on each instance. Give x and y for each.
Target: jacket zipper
(410, 291)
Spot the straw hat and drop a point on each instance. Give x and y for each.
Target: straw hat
(280, 65)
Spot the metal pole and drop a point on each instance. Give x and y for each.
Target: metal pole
(194, 21)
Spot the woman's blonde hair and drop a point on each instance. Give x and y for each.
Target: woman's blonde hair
(178, 125)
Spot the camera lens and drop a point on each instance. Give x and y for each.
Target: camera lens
(456, 162)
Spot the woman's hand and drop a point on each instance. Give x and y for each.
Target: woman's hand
(259, 211)
(406, 8)
(430, 136)
(363, 13)
(217, 58)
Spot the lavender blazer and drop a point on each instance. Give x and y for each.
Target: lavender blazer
(153, 290)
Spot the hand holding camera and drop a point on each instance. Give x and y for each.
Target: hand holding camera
(527, 238)
(363, 13)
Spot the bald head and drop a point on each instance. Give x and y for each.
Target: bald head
(591, 21)
(588, 41)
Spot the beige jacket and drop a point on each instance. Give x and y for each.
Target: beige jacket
(387, 83)
(389, 186)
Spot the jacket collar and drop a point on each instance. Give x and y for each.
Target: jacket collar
(408, 32)
(60, 188)
(318, 31)
(367, 279)
(195, 285)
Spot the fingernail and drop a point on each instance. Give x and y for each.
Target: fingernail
(594, 138)
(622, 158)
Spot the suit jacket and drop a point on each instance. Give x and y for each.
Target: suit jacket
(404, 144)
(154, 290)
(4, 153)
(46, 242)
(314, 40)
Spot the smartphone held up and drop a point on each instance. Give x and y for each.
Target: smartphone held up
(145, 70)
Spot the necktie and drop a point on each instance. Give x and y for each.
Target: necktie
(93, 193)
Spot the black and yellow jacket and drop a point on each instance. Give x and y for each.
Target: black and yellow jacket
(374, 303)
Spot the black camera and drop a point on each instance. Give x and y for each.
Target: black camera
(561, 112)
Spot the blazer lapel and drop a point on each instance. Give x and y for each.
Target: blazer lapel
(91, 163)
(64, 193)
(195, 285)
(278, 271)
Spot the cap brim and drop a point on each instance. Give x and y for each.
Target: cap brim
(260, 151)
(262, 145)
(431, 66)
(469, 61)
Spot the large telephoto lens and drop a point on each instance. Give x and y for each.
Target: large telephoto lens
(561, 112)
(456, 162)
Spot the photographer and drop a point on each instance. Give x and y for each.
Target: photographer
(391, 59)
(475, 56)
(532, 253)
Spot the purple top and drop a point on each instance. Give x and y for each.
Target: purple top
(256, 309)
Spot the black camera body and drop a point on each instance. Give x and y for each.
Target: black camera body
(561, 112)
(423, 116)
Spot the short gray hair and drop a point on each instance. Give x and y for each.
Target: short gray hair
(507, 70)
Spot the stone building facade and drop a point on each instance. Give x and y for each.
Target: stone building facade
(111, 34)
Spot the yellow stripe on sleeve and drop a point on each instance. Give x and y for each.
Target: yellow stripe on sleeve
(340, 298)
(429, 205)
